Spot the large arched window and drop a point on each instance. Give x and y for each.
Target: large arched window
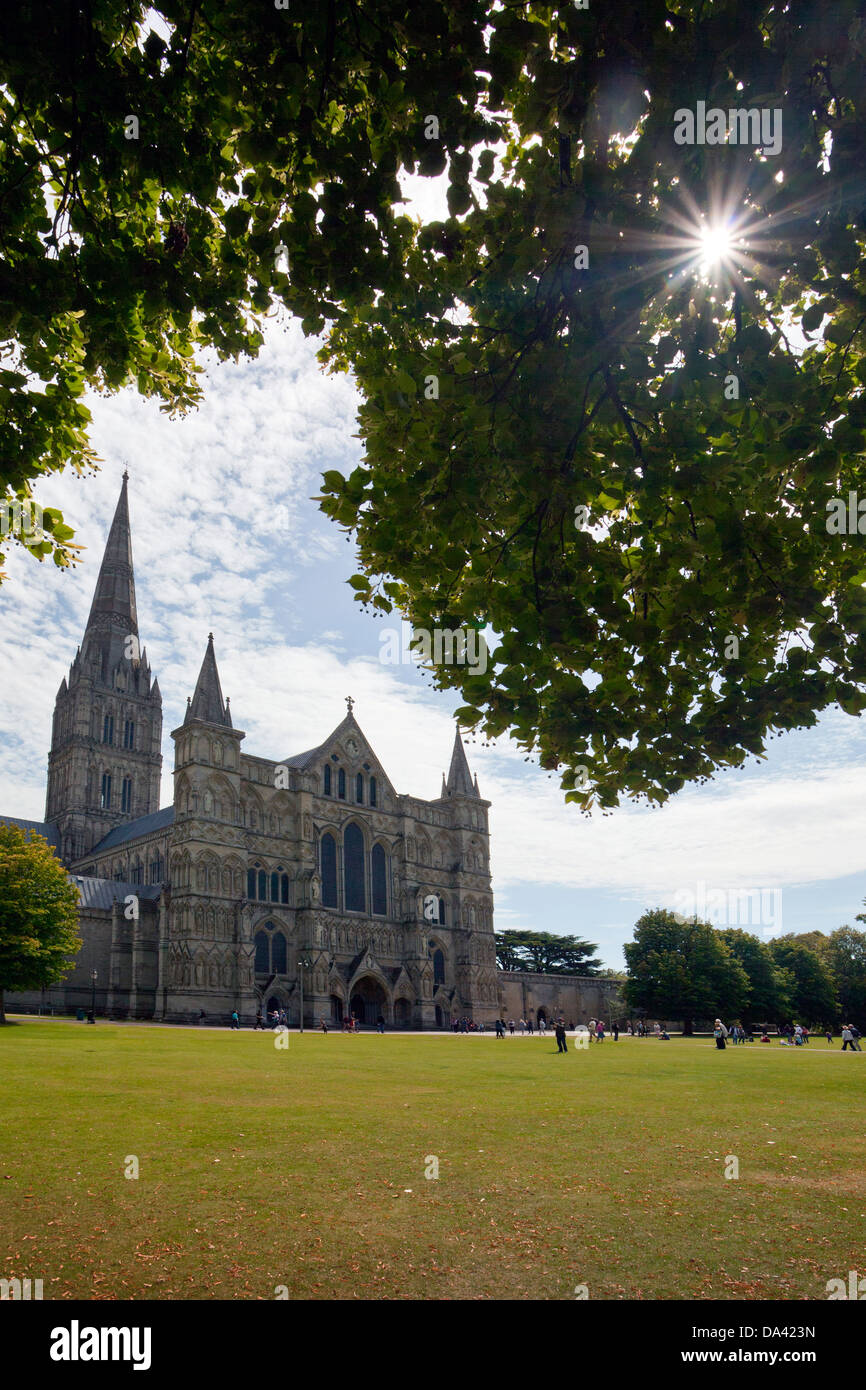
(126, 794)
(379, 881)
(438, 967)
(359, 788)
(251, 883)
(278, 954)
(441, 910)
(327, 781)
(329, 871)
(275, 887)
(353, 858)
(263, 886)
(341, 784)
(372, 791)
(271, 956)
(263, 953)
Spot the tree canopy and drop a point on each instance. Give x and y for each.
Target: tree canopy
(681, 969)
(546, 953)
(616, 455)
(38, 914)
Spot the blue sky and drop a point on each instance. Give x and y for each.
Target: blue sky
(227, 539)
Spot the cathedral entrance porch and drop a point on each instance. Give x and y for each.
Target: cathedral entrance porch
(369, 1000)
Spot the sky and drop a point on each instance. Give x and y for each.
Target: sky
(228, 539)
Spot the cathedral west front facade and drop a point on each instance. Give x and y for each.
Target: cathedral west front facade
(303, 881)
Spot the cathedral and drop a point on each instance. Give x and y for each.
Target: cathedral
(304, 882)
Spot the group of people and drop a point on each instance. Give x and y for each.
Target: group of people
(790, 1035)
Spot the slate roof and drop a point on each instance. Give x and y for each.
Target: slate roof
(40, 827)
(134, 829)
(103, 892)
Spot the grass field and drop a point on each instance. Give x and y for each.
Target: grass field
(305, 1167)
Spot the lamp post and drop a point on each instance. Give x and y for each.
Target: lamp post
(303, 964)
(93, 979)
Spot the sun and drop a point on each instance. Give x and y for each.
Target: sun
(716, 244)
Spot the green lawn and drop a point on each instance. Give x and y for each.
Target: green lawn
(305, 1167)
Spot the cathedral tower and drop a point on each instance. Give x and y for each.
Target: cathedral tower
(105, 761)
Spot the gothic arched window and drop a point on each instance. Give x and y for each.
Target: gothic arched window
(251, 883)
(278, 954)
(329, 871)
(284, 888)
(275, 887)
(263, 886)
(379, 881)
(105, 797)
(126, 794)
(441, 910)
(372, 791)
(341, 784)
(438, 967)
(263, 948)
(353, 856)
(359, 788)
(327, 781)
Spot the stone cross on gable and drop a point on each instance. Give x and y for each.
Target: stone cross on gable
(350, 703)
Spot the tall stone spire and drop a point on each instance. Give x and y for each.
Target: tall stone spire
(105, 759)
(459, 777)
(113, 619)
(207, 702)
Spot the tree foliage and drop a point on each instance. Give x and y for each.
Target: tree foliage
(546, 953)
(38, 913)
(769, 997)
(681, 969)
(168, 173)
(704, 605)
(604, 388)
(812, 992)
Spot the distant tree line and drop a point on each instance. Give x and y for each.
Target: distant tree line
(545, 953)
(690, 970)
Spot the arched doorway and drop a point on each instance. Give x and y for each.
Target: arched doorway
(542, 1016)
(402, 1013)
(368, 1000)
(336, 1009)
(274, 1003)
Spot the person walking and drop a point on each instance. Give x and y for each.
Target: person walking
(500, 1028)
(599, 1031)
(523, 1025)
(561, 1044)
(855, 1034)
(380, 1023)
(323, 1025)
(529, 1026)
(236, 1023)
(258, 1023)
(847, 1037)
(720, 1032)
(615, 1031)
(511, 1026)
(829, 1037)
